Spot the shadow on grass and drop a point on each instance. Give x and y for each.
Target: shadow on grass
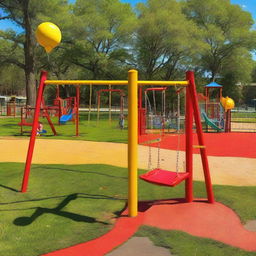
(24, 221)
(80, 195)
(9, 188)
(9, 125)
(84, 172)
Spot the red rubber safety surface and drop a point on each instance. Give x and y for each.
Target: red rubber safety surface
(217, 144)
(199, 218)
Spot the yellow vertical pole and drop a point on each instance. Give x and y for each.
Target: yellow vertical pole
(133, 142)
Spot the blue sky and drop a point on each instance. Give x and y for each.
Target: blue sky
(248, 5)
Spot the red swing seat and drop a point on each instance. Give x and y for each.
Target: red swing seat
(163, 177)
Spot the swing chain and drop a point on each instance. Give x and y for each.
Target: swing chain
(178, 153)
(158, 156)
(148, 111)
(178, 130)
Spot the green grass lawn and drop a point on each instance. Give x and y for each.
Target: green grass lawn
(243, 117)
(70, 204)
(244, 120)
(243, 114)
(183, 244)
(93, 130)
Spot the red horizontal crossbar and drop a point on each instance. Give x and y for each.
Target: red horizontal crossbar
(156, 89)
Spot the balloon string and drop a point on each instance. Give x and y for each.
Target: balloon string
(49, 63)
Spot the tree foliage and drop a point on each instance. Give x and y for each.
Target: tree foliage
(26, 14)
(102, 39)
(226, 30)
(164, 42)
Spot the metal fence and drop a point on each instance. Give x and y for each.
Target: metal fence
(243, 119)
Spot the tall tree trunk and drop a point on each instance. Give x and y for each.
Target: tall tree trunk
(29, 46)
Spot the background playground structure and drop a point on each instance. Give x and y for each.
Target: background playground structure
(215, 109)
(241, 119)
(26, 120)
(11, 105)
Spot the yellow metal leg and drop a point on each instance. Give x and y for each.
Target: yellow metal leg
(133, 142)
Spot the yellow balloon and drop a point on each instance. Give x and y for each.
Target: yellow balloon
(48, 35)
(230, 104)
(227, 103)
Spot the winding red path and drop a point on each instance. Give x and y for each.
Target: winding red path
(217, 144)
(199, 218)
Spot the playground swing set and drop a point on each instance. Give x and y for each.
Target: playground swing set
(110, 91)
(157, 176)
(26, 119)
(65, 109)
(68, 108)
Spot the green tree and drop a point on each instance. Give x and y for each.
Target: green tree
(11, 84)
(237, 71)
(227, 31)
(27, 15)
(166, 39)
(101, 36)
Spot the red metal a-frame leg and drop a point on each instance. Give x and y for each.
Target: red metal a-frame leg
(33, 132)
(195, 109)
(189, 146)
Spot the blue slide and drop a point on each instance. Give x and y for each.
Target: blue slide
(66, 118)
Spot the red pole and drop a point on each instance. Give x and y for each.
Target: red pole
(140, 112)
(207, 100)
(228, 121)
(193, 95)
(58, 91)
(121, 103)
(77, 109)
(220, 93)
(50, 122)
(189, 145)
(21, 120)
(98, 114)
(33, 132)
(60, 111)
(140, 97)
